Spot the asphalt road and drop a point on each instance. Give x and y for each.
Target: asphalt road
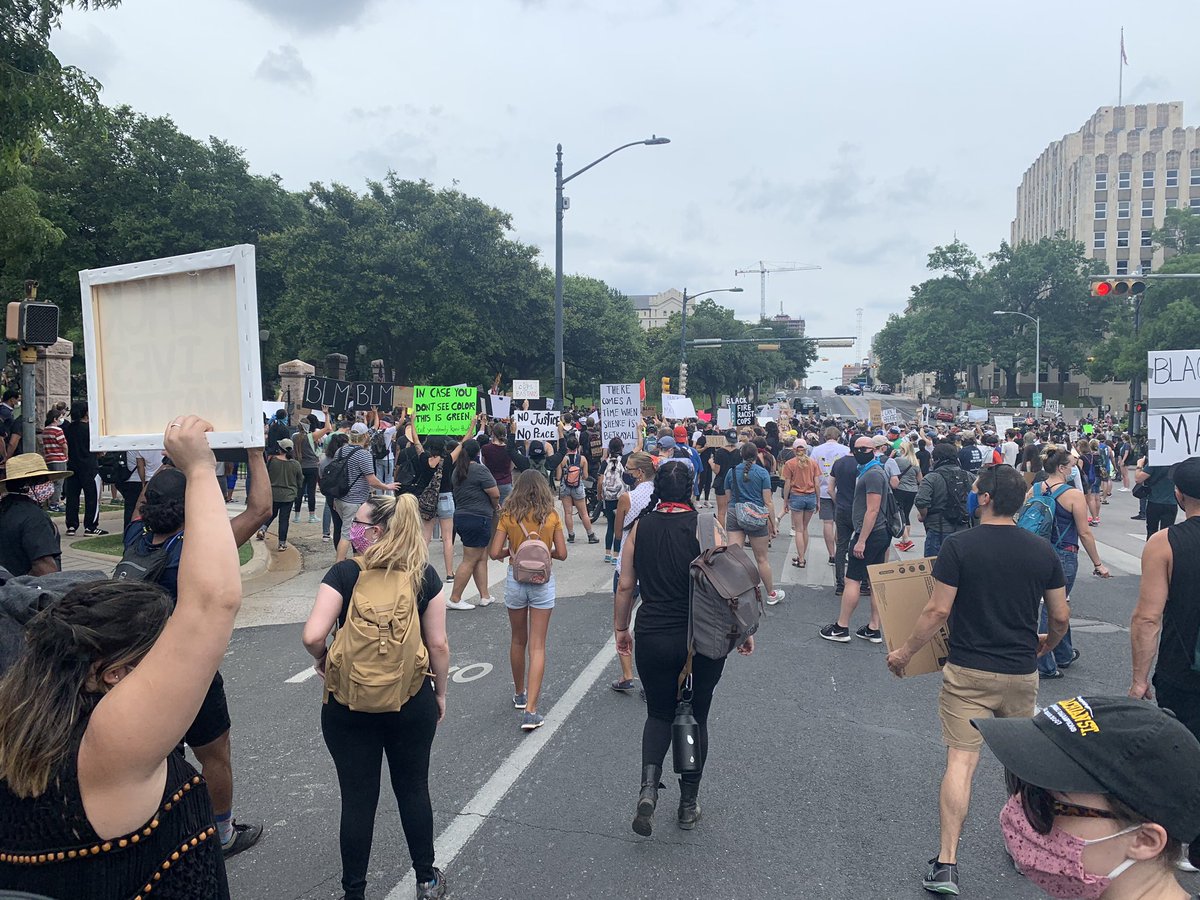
(858, 406)
(822, 778)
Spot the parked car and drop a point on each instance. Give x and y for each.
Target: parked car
(816, 387)
(944, 415)
(852, 389)
(885, 389)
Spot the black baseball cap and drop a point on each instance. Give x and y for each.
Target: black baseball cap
(167, 484)
(1186, 476)
(1128, 749)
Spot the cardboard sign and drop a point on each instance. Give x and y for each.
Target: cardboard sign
(535, 425)
(172, 336)
(1003, 423)
(530, 389)
(443, 410)
(742, 413)
(890, 416)
(875, 411)
(621, 413)
(346, 396)
(901, 590)
(1173, 419)
(676, 406)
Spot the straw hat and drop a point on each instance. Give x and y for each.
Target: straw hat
(30, 465)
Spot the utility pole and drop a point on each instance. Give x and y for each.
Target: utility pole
(29, 385)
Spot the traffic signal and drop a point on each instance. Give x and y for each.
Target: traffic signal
(1118, 287)
(1139, 408)
(666, 384)
(32, 323)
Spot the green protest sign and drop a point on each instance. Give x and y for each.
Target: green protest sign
(443, 410)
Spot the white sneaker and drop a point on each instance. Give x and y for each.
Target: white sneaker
(774, 597)
(484, 601)
(461, 604)
(1183, 865)
(1124, 490)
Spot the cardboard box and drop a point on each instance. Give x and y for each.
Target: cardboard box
(901, 590)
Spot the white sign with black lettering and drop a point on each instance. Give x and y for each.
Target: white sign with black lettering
(621, 413)
(676, 406)
(530, 389)
(1173, 418)
(535, 425)
(890, 417)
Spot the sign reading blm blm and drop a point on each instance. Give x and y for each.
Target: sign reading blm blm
(1173, 421)
(346, 396)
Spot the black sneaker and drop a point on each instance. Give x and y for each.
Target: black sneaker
(1139, 517)
(70, 532)
(95, 532)
(1074, 656)
(942, 878)
(244, 837)
(1057, 673)
(570, 538)
(865, 590)
(835, 632)
(592, 539)
(839, 589)
(867, 633)
(432, 890)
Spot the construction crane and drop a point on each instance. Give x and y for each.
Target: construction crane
(766, 267)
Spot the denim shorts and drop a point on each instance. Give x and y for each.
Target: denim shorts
(473, 530)
(445, 508)
(528, 596)
(801, 502)
(575, 493)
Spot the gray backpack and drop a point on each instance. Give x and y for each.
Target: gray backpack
(726, 596)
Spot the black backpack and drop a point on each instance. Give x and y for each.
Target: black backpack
(379, 445)
(958, 487)
(139, 565)
(335, 480)
(112, 467)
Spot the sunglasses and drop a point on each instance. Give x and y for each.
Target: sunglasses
(364, 524)
(1060, 808)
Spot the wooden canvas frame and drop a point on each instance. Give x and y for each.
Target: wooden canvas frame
(170, 337)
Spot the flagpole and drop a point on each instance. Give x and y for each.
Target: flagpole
(1121, 72)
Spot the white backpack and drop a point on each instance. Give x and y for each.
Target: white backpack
(613, 484)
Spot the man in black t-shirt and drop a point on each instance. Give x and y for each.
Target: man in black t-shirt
(988, 582)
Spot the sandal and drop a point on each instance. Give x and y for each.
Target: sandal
(798, 562)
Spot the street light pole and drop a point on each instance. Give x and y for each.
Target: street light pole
(559, 207)
(1037, 352)
(683, 331)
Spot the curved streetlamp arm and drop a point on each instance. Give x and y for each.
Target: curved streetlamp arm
(596, 162)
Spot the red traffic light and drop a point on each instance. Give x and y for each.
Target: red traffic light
(1101, 289)
(1120, 287)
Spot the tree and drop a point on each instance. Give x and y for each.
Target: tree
(37, 93)
(602, 340)
(1180, 231)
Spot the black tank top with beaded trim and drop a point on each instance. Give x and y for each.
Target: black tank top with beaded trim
(48, 847)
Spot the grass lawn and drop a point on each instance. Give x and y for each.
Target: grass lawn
(104, 507)
(113, 545)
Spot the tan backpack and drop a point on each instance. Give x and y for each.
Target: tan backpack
(378, 660)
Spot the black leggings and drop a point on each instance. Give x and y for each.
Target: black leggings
(706, 480)
(280, 511)
(612, 535)
(309, 490)
(660, 658)
(357, 742)
(906, 499)
(1159, 515)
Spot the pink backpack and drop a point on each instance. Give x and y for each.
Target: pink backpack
(531, 561)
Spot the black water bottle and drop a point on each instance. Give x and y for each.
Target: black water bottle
(685, 740)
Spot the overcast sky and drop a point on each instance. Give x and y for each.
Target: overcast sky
(851, 136)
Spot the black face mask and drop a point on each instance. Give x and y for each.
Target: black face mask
(630, 480)
(863, 455)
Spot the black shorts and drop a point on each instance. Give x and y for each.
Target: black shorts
(876, 552)
(213, 719)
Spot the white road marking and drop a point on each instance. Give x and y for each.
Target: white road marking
(1117, 559)
(302, 675)
(460, 676)
(472, 816)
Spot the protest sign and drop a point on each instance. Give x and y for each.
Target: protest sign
(977, 415)
(201, 311)
(875, 412)
(1003, 423)
(724, 418)
(621, 413)
(676, 406)
(527, 390)
(1173, 420)
(890, 416)
(742, 413)
(535, 425)
(443, 410)
(346, 396)
(497, 406)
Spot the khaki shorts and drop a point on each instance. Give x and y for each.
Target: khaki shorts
(974, 694)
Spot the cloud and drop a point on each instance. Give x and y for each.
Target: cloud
(407, 154)
(88, 48)
(312, 15)
(881, 252)
(284, 66)
(1150, 89)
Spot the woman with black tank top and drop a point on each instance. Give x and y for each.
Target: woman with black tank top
(656, 557)
(95, 800)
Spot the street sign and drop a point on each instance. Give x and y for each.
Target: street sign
(995, 399)
(1037, 399)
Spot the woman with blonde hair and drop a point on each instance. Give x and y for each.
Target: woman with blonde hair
(386, 533)
(94, 799)
(528, 514)
(906, 489)
(801, 477)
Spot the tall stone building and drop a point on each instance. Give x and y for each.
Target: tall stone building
(1110, 184)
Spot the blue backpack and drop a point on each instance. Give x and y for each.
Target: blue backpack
(1038, 513)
